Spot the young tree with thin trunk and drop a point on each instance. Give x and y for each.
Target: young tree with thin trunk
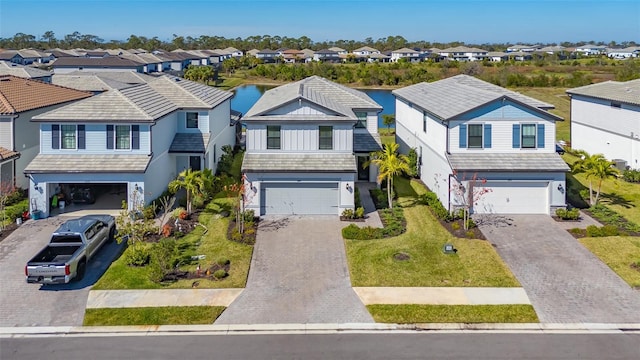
(597, 167)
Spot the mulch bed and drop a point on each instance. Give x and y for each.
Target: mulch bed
(184, 226)
(202, 274)
(248, 237)
(460, 232)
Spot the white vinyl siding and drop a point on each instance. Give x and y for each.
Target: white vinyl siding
(299, 138)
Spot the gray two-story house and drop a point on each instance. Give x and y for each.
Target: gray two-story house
(307, 143)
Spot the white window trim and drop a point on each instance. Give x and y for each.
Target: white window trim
(115, 138)
(75, 142)
(535, 136)
(469, 137)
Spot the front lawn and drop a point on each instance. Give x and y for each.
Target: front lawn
(185, 315)
(476, 264)
(411, 314)
(620, 253)
(213, 244)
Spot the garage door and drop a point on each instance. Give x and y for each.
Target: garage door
(299, 198)
(514, 198)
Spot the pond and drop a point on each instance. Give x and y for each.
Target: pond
(247, 95)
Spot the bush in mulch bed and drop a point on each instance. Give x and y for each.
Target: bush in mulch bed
(217, 271)
(248, 237)
(393, 221)
(456, 228)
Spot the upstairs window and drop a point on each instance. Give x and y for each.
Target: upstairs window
(475, 136)
(326, 138)
(528, 136)
(362, 120)
(192, 120)
(68, 137)
(273, 137)
(123, 137)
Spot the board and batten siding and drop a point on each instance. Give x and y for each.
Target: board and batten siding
(296, 137)
(95, 140)
(301, 107)
(6, 132)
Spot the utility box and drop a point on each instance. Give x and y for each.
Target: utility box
(620, 164)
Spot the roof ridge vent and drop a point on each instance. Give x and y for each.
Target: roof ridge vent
(301, 90)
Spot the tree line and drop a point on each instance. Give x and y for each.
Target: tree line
(49, 40)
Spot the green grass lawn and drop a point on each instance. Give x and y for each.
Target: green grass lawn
(371, 262)
(618, 252)
(558, 98)
(213, 244)
(185, 315)
(410, 314)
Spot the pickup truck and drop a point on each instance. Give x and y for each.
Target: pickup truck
(71, 247)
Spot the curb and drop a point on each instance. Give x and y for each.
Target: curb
(254, 329)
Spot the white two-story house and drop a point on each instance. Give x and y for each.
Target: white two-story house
(130, 141)
(307, 143)
(494, 142)
(605, 119)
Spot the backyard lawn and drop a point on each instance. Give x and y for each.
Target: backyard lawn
(476, 264)
(213, 244)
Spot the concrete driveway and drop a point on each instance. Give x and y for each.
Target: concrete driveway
(565, 282)
(298, 274)
(23, 304)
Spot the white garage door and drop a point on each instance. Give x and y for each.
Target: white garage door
(299, 198)
(514, 198)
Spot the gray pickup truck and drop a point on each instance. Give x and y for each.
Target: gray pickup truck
(71, 247)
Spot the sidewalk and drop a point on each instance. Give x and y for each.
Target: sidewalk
(368, 296)
(370, 213)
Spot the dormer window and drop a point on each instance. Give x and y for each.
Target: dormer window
(362, 120)
(192, 120)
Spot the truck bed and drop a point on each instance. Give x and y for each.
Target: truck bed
(54, 255)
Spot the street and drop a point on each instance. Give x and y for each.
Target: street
(328, 346)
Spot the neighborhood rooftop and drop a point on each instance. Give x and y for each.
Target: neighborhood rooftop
(627, 92)
(19, 94)
(299, 162)
(512, 162)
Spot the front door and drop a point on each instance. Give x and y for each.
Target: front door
(363, 173)
(194, 163)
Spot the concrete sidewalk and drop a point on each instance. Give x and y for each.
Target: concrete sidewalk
(368, 296)
(371, 217)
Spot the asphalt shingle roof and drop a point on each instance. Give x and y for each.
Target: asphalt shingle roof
(626, 92)
(366, 142)
(299, 162)
(189, 94)
(87, 82)
(109, 61)
(189, 143)
(22, 71)
(508, 162)
(19, 94)
(85, 163)
(459, 94)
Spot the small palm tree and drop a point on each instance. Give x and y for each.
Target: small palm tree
(190, 180)
(390, 164)
(594, 167)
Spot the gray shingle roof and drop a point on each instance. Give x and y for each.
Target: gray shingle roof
(87, 82)
(459, 94)
(366, 142)
(189, 94)
(110, 61)
(189, 143)
(337, 98)
(22, 71)
(129, 77)
(507, 162)
(626, 92)
(299, 162)
(76, 163)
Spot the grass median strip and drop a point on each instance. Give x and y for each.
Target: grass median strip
(411, 314)
(186, 315)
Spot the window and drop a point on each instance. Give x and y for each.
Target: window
(192, 120)
(362, 120)
(528, 136)
(123, 137)
(326, 138)
(273, 137)
(67, 136)
(475, 136)
(424, 121)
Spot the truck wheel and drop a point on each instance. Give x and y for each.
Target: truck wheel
(82, 266)
(112, 234)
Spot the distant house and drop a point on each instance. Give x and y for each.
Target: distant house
(25, 56)
(522, 48)
(110, 63)
(267, 55)
(21, 100)
(628, 52)
(130, 141)
(28, 72)
(339, 50)
(463, 129)
(101, 81)
(605, 119)
(234, 52)
(253, 52)
(293, 56)
(407, 54)
(497, 56)
(464, 53)
(591, 49)
(326, 55)
(307, 143)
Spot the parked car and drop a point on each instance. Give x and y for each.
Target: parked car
(71, 247)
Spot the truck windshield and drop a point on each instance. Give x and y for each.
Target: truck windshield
(58, 239)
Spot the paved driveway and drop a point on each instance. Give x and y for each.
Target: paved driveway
(23, 304)
(298, 274)
(565, 282)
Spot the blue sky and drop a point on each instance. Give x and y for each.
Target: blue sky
(470, 21)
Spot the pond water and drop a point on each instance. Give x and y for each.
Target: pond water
(247, 95)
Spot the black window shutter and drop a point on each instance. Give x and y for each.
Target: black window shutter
(110, 137)
(81, 137)
(135, 137)
(55, 136)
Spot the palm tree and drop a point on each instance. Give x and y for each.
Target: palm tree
(594, 167)
(190, 180)
(390, 164)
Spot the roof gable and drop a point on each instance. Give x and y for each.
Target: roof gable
(627, 92)
(19, 94)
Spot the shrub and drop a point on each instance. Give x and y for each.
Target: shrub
(631, 175)
(441, 212)
(351, 231)
(356, 196)
(149, 211)
(248, 216)
(606, 230)
(198, 201)
(359, 214)
(564, 214)
(470, 234)
(429, 198)
(220, 274)
(137, 254)
(167, 230)
(164, 257)
(455, 226)
(348, 214)
(470, 223)
(177, 212)
(223, 261)
(379, 198)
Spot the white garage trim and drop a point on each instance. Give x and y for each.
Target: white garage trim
(299, 198)
(514, 197)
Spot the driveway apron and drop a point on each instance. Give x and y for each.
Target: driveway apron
(565, 282)
(298, 274)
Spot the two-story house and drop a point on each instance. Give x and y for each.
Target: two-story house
(307, 143)
(464, 53)
(605, 119)
(21, 100)
(481, 141)
(132, 141)
(405, 53)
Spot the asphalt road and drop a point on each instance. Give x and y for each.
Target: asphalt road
(493, 346)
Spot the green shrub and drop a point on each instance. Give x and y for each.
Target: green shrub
(413, 162)
(631, 175)
(177, 212)
(429, 198)
(351, 231)
(249, 216)
(164, 258)
(576, 231)
(137, 254)
(379, 198)
(223, 261)
(356, 196)
(198, 201)
(220, 274)
(455, 226)
(606, 230)
(470, 234)
(584, 194)
(441, 212)
(359, 214)
(610, 217)
(571, 214)
(348, 213)
(149, 211)
(470, 223)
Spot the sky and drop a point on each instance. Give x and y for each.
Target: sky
(469, 21)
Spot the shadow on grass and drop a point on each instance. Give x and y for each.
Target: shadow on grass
(615, 199)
